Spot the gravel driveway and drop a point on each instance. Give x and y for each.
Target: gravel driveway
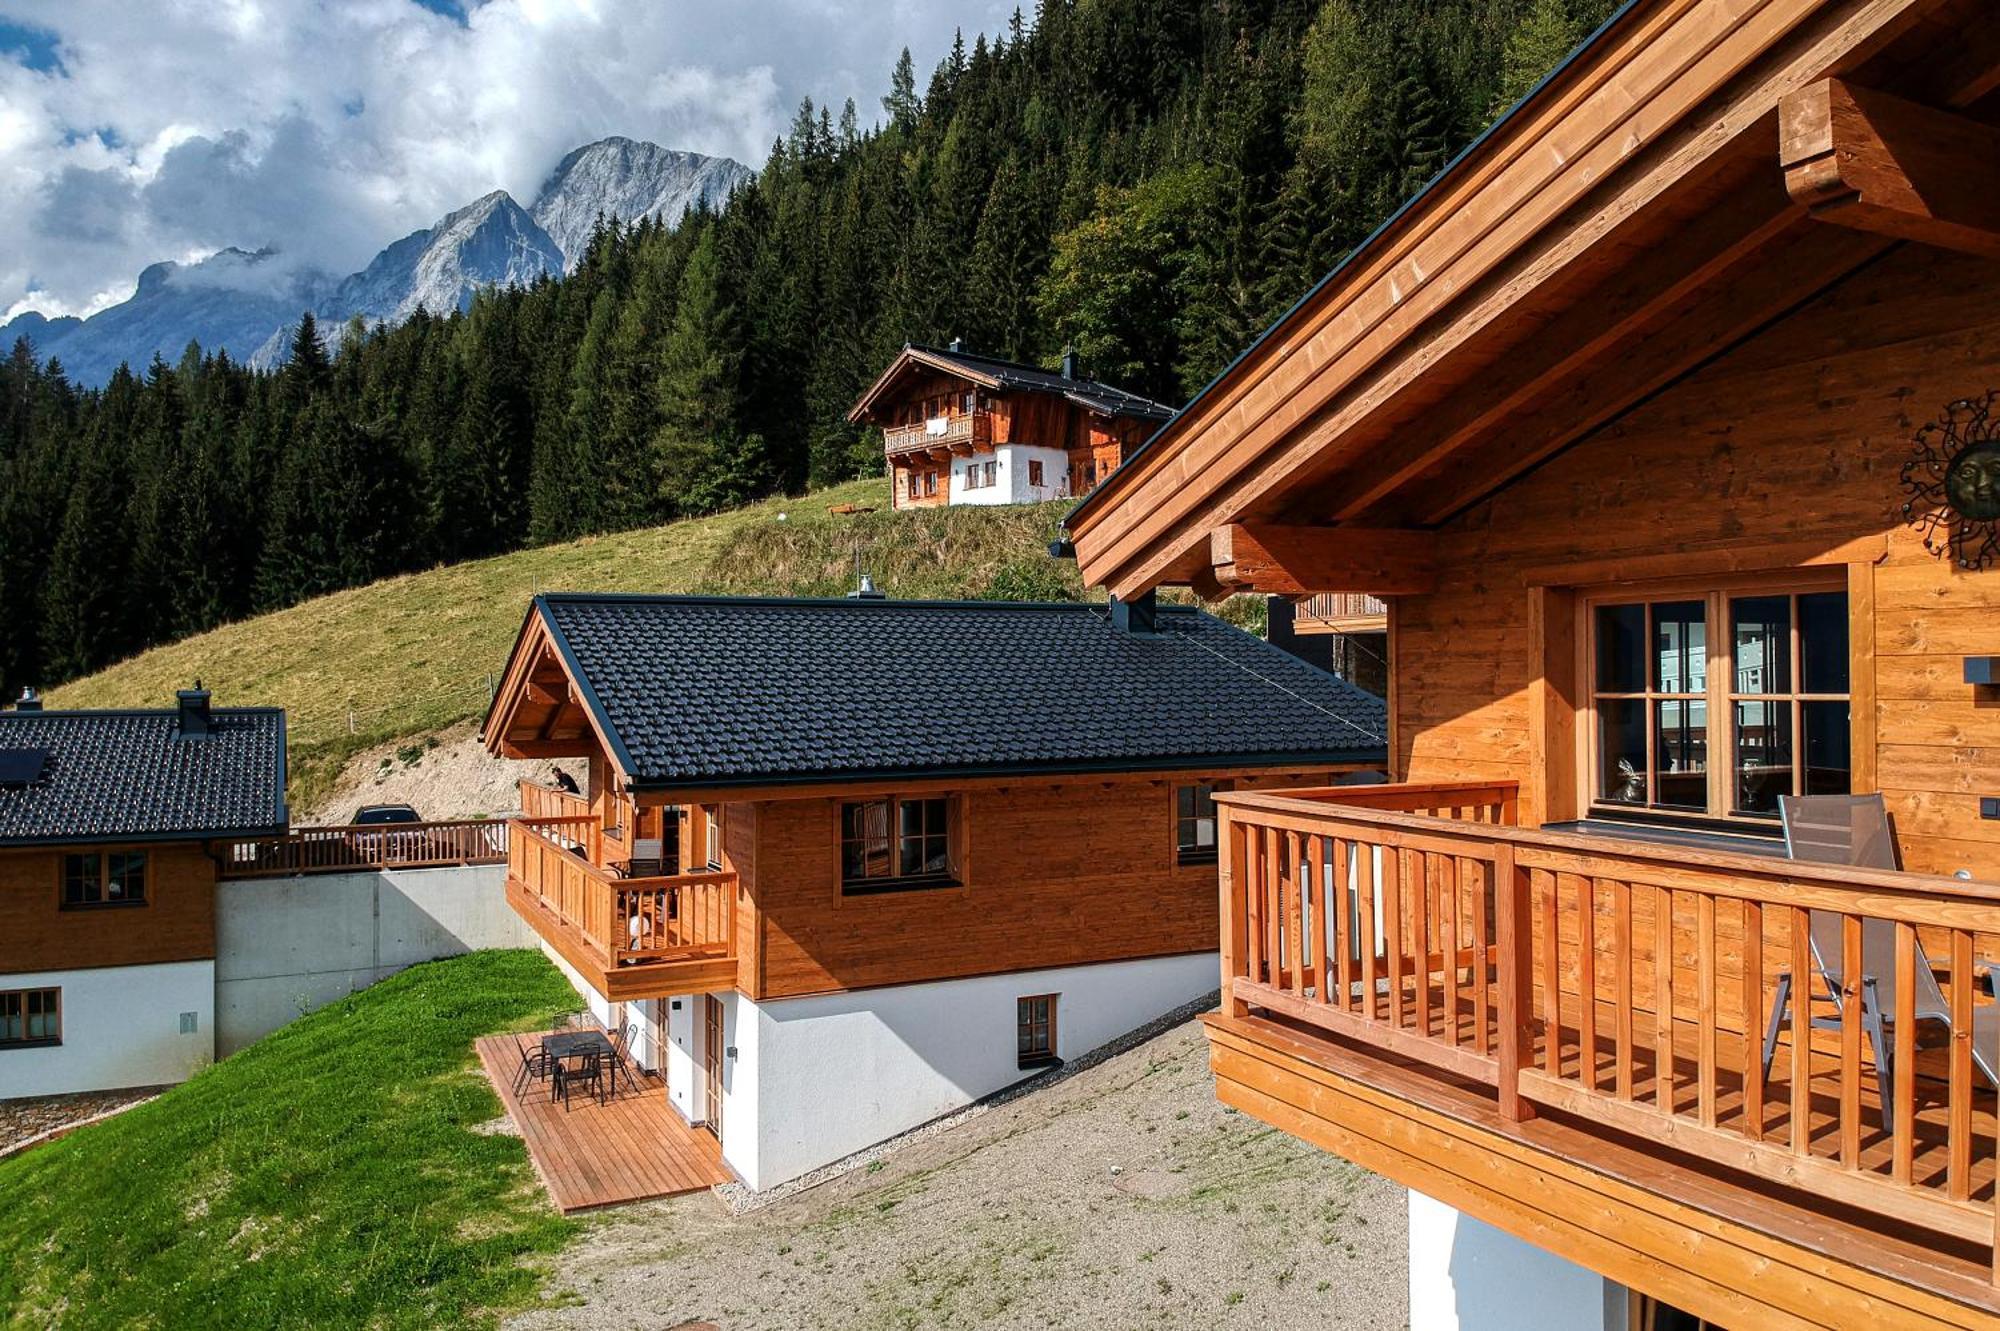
(1122, 1197)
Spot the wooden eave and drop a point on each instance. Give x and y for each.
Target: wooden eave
(540, 708)
(907, 359)
(1623, 226)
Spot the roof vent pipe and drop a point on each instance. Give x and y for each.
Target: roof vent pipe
(195, 718)
(30, 701)
(957, 345)
(867, 591)
(1069, 363)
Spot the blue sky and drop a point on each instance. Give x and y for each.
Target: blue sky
(173, 128)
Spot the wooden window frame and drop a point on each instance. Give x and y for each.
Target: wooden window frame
(41, 1042)
(1720, 695)
(1025, 1023)
(711, 836)
(1034, 471)
(953, 878)
(1183, 854)
(103, 855)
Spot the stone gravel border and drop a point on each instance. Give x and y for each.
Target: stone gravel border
(64, 1129)
(741, 1199)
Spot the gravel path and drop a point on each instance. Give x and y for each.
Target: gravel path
(1122, 1197)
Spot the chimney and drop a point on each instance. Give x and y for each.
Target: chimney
(30, 701)
(957, 345)
(1069, 362)
(1139, 616)
(195, 720)
(867, 591)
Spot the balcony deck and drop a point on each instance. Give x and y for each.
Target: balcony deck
(632, 1148)
(1510, 988)
(630, 937)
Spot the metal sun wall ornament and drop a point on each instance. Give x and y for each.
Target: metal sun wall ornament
(1953, 483)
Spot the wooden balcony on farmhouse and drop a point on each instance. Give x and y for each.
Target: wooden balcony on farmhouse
(630, 936)
(1565, 1035)
(961, 431)
(1341, 612)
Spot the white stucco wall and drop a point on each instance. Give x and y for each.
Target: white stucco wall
(121, 1026)
(835, 1074)
(1465, 1275)
(1010, 475)
(285, 946)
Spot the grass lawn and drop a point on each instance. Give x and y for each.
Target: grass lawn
(325, 1177)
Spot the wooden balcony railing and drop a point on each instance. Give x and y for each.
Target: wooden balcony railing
(1342, 612)
(961, 427)
(625, 921)
(540, 801)
(1630, 986)
(349, 849)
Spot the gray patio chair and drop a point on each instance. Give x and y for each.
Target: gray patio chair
(1853, 830)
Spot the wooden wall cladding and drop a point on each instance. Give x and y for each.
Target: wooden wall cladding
(177, 923)
(1796, 436)
(1056, 875)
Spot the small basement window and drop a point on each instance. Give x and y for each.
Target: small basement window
(104, 878)
(1035, 1033)
(30, 1017)
(896, 845)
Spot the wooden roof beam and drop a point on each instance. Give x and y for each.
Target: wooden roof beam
(1299, 561)
(1867, 160)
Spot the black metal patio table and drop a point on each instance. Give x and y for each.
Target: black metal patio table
(580, 1044)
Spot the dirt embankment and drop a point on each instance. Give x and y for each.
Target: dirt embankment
(1125, 1196)
(446, 775)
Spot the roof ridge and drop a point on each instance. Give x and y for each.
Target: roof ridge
(847, 602)
(241, 709)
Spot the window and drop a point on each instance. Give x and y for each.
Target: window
(1714, 704)
(894, 845)
(30, 1017)
(989, 474)
(1194, 824)
(1035, 1034)
(106, 878)
(1034, 472)
(712, 836)
(930, 483)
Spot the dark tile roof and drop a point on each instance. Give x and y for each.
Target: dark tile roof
(117, 775)
(1090, 393)
(715, 691)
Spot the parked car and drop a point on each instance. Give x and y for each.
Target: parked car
(388, 844)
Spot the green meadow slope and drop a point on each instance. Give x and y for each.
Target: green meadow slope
(411, 655)
(329, 1175)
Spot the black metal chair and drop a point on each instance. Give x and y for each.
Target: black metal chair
(584, 1070)
(535, 1062)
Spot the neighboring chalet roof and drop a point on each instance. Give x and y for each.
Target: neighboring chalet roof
(133, 776)
(697, 692)
(1010, 376)
(1635, 215)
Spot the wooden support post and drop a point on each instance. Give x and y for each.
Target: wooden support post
(1516, 999)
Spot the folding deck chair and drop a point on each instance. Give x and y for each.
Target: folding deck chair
(1853, 830)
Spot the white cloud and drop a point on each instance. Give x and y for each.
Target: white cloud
(328, 129)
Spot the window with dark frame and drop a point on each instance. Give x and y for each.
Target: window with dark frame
(1194, 824)
(1034, 472)
(1711, 705)
(992, 474)
(1035, 1030)
(30, 1017)
(104, 878)
(896, 845)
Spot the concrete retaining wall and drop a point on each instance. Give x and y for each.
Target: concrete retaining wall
(285, 946)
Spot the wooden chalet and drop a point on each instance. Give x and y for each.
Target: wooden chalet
(966, 429)
(1662, 424)
(109, 827)
(842, 866)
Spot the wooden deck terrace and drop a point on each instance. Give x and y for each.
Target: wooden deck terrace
(1604, 1002)
(631, 1148)
(631, 937)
